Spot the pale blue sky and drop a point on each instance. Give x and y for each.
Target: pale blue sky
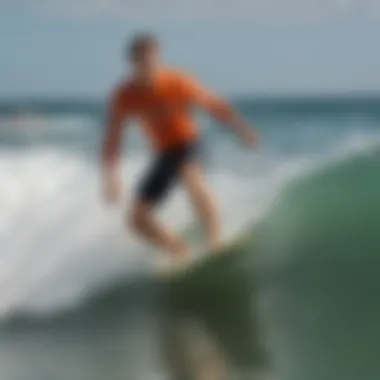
(74, 48)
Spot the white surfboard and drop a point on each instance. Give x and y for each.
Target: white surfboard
(171, 269)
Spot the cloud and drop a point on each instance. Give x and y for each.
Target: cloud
(255, 10)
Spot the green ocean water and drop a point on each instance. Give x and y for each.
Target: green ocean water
(324, 300)
(300, 301)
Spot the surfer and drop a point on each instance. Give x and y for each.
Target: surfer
(161, 99)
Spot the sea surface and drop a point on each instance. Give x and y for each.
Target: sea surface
(301, 300)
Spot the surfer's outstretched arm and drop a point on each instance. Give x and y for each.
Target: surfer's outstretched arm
(111, 150)
(221, 111)
(225, 114)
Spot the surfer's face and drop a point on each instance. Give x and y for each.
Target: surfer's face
(147, 59)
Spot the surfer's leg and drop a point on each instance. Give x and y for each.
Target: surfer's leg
(203, 201)
(155, 186)
(145, 225)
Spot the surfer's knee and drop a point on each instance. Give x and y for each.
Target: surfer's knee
(137, 219)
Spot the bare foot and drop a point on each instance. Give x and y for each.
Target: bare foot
(214, 244)
(180, 252)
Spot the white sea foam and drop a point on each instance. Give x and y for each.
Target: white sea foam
(58, 240)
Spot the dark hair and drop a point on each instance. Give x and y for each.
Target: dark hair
(141, 42)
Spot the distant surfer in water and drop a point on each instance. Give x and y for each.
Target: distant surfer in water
(161, 99)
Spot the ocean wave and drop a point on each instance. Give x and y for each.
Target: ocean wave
(329, 214)
(59, 243)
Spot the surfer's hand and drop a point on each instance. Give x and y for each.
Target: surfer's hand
(249, 138)
(112, 190)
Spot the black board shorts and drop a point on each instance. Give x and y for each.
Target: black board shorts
(164, 172)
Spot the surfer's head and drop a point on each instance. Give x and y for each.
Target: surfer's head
(143, 53)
